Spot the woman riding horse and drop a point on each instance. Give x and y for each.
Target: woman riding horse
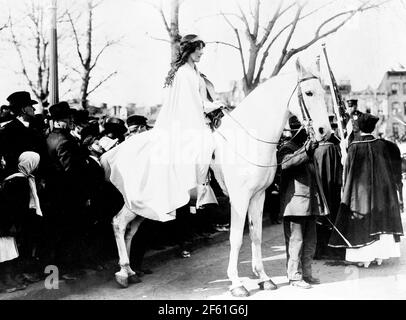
(157, 170)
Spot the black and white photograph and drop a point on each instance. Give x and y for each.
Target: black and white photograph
(224, 151)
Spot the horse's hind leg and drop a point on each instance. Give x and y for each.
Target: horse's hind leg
(236, 237)
(120, 222)
(131, 231)
(255, 211)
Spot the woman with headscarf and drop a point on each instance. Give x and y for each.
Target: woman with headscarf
(18, 196)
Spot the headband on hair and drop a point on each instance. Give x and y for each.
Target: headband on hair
(195, 39)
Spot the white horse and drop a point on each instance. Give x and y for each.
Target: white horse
(245, 165)
(245, 156)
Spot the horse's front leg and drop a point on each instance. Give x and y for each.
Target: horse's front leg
(236, 237)
(255, 211)
(120, 222)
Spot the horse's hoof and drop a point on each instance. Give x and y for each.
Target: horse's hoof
(134, 279)
(122, 281)
(240, 292)
(267, 285)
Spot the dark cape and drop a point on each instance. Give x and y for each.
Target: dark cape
(368, 191)
(328, 158)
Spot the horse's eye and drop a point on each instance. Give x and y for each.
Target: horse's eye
(309, 93)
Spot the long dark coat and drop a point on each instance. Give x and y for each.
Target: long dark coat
(66, 188)
(368, 191)
(328, 158)
(15, 138)
(298, 189)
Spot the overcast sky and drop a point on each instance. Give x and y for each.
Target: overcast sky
(361, 51)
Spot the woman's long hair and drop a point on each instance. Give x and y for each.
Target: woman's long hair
(187, 47)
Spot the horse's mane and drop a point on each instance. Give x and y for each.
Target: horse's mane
(271, 90)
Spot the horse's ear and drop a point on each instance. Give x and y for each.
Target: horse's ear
(300, 69)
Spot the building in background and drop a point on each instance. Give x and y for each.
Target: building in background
(371, 101)
(393, 87)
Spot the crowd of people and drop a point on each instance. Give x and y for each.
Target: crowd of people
(349, 212)
(56, 205)
(64, 176)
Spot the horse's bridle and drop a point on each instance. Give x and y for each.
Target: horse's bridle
(305, 112)
(306, 118)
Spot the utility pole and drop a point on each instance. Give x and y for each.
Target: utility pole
(53, 56)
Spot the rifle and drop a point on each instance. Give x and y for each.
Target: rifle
(338, 102)
(338, 107)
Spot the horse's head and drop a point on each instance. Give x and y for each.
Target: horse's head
(312, 97)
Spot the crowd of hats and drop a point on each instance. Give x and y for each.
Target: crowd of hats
(62, 110)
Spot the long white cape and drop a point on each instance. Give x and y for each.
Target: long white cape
(157, 169)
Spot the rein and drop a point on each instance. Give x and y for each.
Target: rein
(310, 130)
(256, 164)
(306, 118)
(246, 131)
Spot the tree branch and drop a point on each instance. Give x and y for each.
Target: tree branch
(101, 82)
(76, 39)
(319, 36)
(21, 58)
(266, 51)
(256, 19)
(286, 9)
(284, 50)
(158, 39)
(108, 44)
(224, 43)
(301, 18)
(167, 27)
(239, 47)
(220, 14)
(245, 20)
(161, 13)
(271, 24)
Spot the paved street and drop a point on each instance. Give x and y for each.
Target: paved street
(203, 276)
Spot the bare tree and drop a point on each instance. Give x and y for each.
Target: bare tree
(261, 40)
(171, 24)
(38, 79)
(29, 35)
(84, 48)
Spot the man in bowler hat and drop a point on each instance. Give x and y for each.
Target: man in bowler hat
(114, 128)
(17, 135)
(66, 188)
